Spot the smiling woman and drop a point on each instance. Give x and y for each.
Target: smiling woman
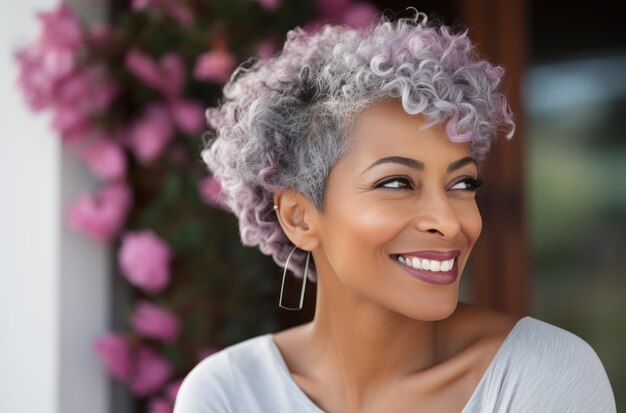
(401, 191)
(362, 149)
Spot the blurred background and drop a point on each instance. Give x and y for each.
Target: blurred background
(121, 269)
(575, 97)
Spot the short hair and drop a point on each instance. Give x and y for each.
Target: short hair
(285, 121)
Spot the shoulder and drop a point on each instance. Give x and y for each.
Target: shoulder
(210, 384)
(554, 369)
(537, 341)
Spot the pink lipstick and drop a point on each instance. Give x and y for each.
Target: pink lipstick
(432, 277)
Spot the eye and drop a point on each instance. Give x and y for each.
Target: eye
(468, 184)
(397, 182)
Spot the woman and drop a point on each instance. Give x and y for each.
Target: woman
(353, 158)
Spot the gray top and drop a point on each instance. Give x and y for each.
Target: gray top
(538, 368)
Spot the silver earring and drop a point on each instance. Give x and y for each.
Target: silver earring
(304, 277)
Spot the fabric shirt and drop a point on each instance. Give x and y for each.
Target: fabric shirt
(538, 368)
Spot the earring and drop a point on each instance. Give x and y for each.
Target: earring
(304, 277)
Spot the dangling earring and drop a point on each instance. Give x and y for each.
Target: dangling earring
(304, 277)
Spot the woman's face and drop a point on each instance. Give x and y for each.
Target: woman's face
(400, 191)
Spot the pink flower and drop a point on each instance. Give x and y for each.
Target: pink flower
(165, 404)
(160, 405)
(78, 132)
(144, 67)
(150, 372)
(177, 11)
(48, 75)
(214, 66)
(145, 370)
(333, 8)
(188, 115)
(360, 15)
(80, 96)
(115, 352)
(101, 34)
(144, 260)
(167, 76)
(105, 158)
(152, 321)
(139, 5)
(90, 87)
(269, 5)
(101, 217)
(68, 118)
(40, 72)
(61, 29)
(149, 135)
(173, 69)
(171, 391)
(210, 191)
(267, 48)
(343, 12)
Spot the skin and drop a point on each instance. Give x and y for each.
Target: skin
(381, 339)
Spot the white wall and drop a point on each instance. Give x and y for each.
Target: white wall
(54, 283)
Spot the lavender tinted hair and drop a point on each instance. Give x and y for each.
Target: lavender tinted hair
(286, 121)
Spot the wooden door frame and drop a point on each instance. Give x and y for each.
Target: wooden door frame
(500, 262)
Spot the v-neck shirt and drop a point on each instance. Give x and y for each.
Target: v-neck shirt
(538, 368)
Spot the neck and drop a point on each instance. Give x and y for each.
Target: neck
(361, 346)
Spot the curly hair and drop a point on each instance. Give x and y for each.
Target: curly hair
(285, 121)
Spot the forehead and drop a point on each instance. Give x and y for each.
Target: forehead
(385, 129)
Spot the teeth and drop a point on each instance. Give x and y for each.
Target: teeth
(424, 264)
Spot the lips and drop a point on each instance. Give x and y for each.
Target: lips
(432, 255)
(438, 278)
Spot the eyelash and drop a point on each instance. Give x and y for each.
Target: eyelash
(472, 183)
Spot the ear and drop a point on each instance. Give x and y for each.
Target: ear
(297, 216)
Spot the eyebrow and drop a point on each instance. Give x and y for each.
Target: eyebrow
(412, 163)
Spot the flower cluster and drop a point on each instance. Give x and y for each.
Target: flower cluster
(128, 97)
(141, 367)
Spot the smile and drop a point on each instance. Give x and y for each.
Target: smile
(426, 264)
(429, 270)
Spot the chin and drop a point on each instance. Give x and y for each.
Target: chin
(434, 310)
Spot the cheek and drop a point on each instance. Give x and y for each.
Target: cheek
(355, 237)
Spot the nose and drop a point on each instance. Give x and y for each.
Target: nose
(436, 214)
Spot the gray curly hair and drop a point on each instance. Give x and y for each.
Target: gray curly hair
(286, 121)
